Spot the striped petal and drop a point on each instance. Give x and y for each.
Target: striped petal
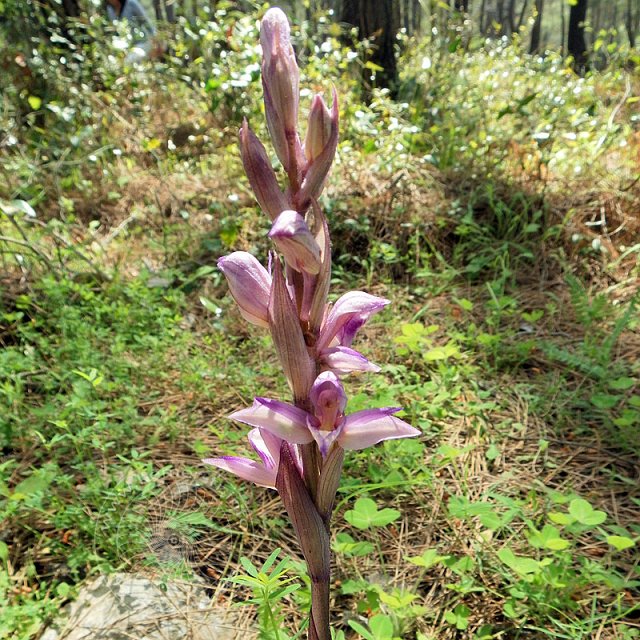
(365, 428)
(279, 418)
(349, 312)
(343, 360)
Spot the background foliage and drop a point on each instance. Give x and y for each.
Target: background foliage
(495, 199)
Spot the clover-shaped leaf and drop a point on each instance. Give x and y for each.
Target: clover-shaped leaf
(365, 514)
(585, 514)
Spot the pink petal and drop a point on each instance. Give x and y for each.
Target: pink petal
(246, 469)
(279, 418)
(365, 428)
(267, 446)
(328, 399)
(291, 235)
(355, 306)
(249, 284)
(343, 360)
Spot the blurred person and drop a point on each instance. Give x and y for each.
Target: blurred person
(142, 28)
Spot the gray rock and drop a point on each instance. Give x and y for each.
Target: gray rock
(125, 606)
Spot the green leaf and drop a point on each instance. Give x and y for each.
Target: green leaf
(620, 542)
(372, 66)
(459, 617)
(363, 631)
(548, 538)
(34, 102)
(36, 483)
(211, 307)
(428, 558)
(604, 400)
(560, 518)
(621, 384)
(585, 514)
(449, 350)
(365, 515)
(4, 551)
(520, 564)
(492, 452)
(344, 543)
(194, 519)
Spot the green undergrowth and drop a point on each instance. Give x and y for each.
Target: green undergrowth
(494, 203)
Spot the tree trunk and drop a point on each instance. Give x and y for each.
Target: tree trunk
(534, 47)
(169, 9)
(576, 44)
(512, 16)
(631, 25)
(523, 11)
(376, 20)
(563, 27)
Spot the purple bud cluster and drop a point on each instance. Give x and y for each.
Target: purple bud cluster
(300, 445)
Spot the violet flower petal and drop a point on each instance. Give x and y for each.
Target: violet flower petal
(280, 83)
(328, 399)
(261, 176)
(279, 418)
(246, 469)
(355, 306)
(318, 168)
(365, 428)
(292, 237)
(249, 284)
(288, 338)
(343, 360)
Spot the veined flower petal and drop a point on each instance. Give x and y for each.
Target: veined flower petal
(355, 307)
(246, 469)
(343, 360)
(291, 235)
(279, 418)
(328, 399)
(249, 284)
(267, 446)
(365, 428)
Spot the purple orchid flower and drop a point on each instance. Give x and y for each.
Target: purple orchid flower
(326, 423)
(301, 446)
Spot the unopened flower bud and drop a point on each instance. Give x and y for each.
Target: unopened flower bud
(319, 130)
(280, 82)
(293, 238)
(260, 173)
(249, 284)
(320, 149)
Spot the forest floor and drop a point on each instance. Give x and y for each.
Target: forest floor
(512, 342)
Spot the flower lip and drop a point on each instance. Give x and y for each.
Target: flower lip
(328, 399)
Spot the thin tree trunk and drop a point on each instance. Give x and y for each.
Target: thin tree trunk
(563, 27)
(629, 24)
(523, 11)
(376, 20)
(512, 16)
(534, 46)
(157, 10)
(169, 9)
(576, 43)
